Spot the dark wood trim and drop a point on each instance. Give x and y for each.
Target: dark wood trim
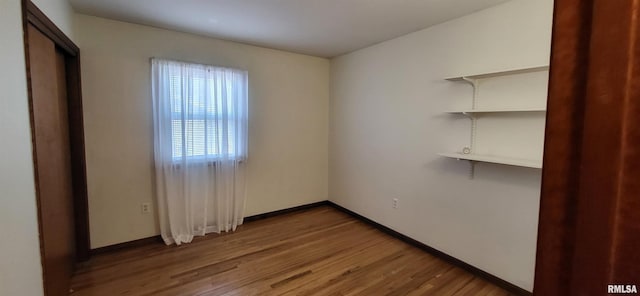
(285, 211)
(158, 239)
(588, 224)
(127, 245)
(38, 19)
(34, 16)
(562, 141)
(444, 256)
(25, 28)
(79, 164)
(450, 259)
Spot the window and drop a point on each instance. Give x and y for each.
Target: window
(201, 111)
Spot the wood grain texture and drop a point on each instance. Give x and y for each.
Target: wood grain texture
(34, 17)
(588, 232)
(51, 137)
(608, 227)
(563, 134)
(320, 251)
(515, 290)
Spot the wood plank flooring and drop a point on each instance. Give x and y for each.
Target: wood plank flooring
(320, 251)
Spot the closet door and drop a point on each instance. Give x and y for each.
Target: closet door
(53, 161)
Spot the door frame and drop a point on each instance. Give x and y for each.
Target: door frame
(588, 224)
(31, 14)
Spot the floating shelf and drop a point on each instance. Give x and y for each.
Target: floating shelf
(536, 164)
(499, 73)
(463, 111)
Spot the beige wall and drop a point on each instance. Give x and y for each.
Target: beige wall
(388, 123)
(288, 128)
(20, 269)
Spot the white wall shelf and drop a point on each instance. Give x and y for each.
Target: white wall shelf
(497, 110)
(498, 73)
(529, 163)
(493, 125)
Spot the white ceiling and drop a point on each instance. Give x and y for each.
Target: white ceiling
(325, 28)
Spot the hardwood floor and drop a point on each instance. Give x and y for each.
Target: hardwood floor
(316, 252)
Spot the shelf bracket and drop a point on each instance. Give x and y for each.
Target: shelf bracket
(470, 80)
(472, 169)
(475, 83)
(469, 114)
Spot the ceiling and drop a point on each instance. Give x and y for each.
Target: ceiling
(324, 28)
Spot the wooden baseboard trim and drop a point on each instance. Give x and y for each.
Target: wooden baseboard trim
(157, 239)
(286, 211)
(450, 259)
(126, 245)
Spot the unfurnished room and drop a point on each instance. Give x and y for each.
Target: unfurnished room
(319, 147)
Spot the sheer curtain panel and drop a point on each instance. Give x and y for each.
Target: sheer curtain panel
(200, 148)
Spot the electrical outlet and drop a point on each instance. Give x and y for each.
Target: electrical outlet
(145, 207)
(395, 203)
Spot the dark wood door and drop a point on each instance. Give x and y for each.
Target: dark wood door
(53, 161)
(589, 227)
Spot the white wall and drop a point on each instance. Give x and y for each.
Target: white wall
(387, 124)
(288, 124)
(20, 269)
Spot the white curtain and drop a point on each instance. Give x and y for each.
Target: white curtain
(200, 148)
